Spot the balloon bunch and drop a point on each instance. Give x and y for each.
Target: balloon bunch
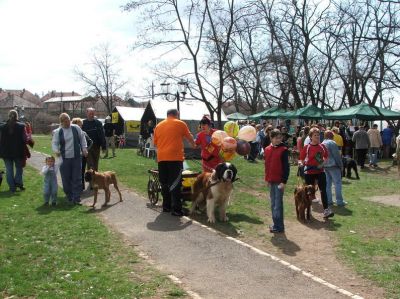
(233, 140)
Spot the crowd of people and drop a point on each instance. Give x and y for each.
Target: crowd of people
(317, 149)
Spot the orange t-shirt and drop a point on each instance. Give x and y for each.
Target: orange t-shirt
(168, 138)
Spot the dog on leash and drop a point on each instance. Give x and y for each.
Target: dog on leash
(102, 180)
(214, 189)
(303, 197)
(348, 165)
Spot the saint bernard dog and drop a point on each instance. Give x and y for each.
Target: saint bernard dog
(213, 189)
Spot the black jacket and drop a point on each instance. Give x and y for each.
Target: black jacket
(12, 140)
(95, 131)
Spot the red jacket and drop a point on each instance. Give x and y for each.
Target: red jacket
(276, 163)
(313, 157)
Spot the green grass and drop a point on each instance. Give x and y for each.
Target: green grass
(65, 252)
(373, 250)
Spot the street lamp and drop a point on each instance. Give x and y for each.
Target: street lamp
(182, 88)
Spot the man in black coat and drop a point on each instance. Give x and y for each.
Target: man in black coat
(94, 129)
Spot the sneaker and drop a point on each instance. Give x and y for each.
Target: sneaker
(342, 204)
(46, 204)
(328, 213)
(273, 230)
(165, 210)
(53, 204)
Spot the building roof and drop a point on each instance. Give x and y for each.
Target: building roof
(189, 109)
(54, 94)
(130, 113)
(65, 99)
(11, 97)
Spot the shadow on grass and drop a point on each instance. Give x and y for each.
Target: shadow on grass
(62, 206)
(342, 211)
(286, 246)
(8, 194)
(165, 222)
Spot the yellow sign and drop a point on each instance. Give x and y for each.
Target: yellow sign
(132, 126)
(114, 117)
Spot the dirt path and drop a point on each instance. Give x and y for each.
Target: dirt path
(215, 266)
(312, 246)
(390, 200)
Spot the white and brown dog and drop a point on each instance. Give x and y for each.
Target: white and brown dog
(214, 188)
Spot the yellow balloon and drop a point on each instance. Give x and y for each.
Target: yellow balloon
(231, 128)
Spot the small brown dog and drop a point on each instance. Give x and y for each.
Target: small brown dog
(303, 197)
(102, 180)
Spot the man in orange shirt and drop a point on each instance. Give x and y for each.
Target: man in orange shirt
(168, 138)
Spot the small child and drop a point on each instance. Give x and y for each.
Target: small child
(50, 181)
(277, 170)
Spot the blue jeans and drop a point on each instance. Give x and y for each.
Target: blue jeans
(334, 175)
(373, 155)
(14, 180)
(276, 195)
(71, 176)
(50, 190)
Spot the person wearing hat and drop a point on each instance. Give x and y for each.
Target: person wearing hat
(209, 152)
(109, 133)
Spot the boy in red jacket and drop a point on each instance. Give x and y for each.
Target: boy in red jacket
(277, 170)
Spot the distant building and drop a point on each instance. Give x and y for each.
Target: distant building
(23, 100)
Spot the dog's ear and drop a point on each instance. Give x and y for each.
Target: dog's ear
(233, 168)
(219, 170)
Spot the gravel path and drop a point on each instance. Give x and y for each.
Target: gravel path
(207, 263)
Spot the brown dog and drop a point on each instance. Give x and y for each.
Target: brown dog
(102, 180)
(303, 197)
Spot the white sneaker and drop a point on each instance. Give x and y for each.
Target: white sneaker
(328, 213)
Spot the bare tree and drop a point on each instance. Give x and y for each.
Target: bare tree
(203, 30)
(102, 76)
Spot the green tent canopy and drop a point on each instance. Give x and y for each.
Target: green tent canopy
(307, 112)
(236, 116)
(270, 113)
(363, 112)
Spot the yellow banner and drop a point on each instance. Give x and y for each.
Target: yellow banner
(132, 126)
(114, 117)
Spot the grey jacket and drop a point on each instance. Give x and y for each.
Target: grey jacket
(334, 159)
(361, 139)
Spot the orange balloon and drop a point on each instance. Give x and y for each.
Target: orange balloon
(218, 137)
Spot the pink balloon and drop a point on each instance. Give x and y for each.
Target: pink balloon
(247, 133)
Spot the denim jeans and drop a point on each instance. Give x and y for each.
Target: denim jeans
(276, 196)
(50, 189)
(373, 155)
(334, 175)
(14, 180)
(71, 176)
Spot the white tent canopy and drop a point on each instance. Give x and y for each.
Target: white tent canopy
(189, 109)
(130, 113)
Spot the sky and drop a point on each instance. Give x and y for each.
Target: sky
(42, 41)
